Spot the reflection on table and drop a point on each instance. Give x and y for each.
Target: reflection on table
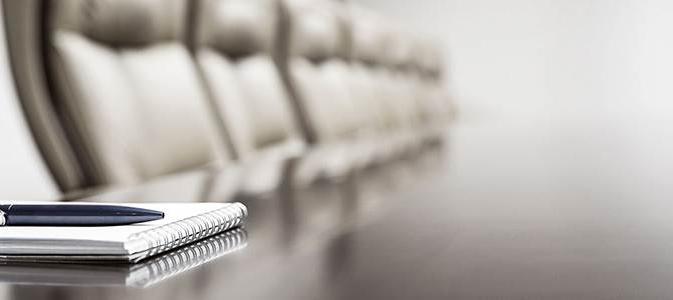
(143, 274)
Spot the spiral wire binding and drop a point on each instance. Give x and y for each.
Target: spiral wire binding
(192, 256)
(185, 231)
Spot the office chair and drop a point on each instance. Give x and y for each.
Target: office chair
(235, 45)
(317, 73)
(127, 91)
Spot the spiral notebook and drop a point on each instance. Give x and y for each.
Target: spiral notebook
(144, 274)
(182, 224)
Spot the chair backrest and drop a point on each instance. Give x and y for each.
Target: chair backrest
(370, 55)
(127, 90)
(235, 46)
(405, 94)
(429, 67)
(318, 69)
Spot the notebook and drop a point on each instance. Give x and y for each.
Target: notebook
(144, 274)
(183, 223)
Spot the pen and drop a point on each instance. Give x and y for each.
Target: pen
(74, 215)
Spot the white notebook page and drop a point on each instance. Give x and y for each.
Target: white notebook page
(95, 239)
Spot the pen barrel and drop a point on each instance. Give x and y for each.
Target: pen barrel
(76, 215)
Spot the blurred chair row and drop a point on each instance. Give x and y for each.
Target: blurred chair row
(123, 91)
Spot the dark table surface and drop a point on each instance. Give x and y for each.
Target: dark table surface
(508, 211)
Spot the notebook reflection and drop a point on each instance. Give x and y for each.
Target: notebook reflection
(142, 275)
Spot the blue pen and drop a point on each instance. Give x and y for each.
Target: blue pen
(74, 215)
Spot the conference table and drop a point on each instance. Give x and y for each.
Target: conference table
(524, 209)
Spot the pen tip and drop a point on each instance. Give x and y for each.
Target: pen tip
(149, 214)
(157, 215)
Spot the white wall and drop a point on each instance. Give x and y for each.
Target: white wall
(23, 175)
(535, 56)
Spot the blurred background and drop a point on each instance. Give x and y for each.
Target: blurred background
(558, 99)
(100, 93)
(587, 79)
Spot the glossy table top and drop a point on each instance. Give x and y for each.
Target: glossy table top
(499, 212)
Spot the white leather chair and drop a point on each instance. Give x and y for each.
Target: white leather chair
(318, 71)
(374, 50)
(235, 46)
(436, 100)
(403, 97)
(128, 91)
